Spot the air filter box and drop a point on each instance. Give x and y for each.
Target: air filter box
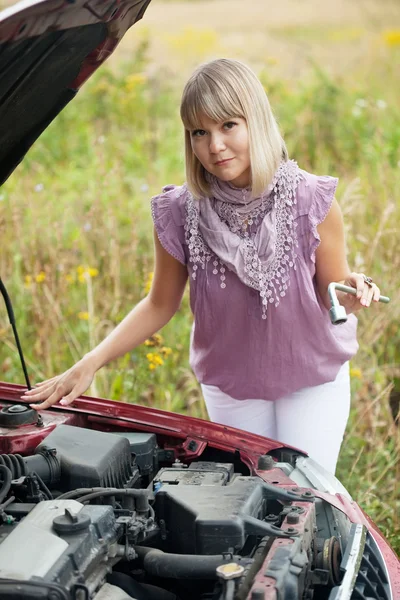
(144, 449)
(90, 458)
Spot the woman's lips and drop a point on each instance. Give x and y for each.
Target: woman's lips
(222, 162)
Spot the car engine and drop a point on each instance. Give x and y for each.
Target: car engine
(110, 516)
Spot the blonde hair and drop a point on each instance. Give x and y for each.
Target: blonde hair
(222, 89)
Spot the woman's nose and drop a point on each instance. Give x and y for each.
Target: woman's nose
(217, 144)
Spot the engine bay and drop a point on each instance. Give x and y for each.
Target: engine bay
(116, 515)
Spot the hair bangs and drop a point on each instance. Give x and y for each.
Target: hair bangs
(220, 90)
(203, 97)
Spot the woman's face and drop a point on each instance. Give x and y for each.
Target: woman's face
(223, 149)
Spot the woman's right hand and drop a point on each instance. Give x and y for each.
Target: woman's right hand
(65, 387)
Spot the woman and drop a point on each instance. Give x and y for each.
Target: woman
(260, 240)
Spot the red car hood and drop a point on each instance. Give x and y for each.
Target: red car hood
(47, 51)
(249, 445)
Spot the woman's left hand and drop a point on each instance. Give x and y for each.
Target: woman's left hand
(367, 292)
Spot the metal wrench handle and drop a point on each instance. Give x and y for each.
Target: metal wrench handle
(337, 312)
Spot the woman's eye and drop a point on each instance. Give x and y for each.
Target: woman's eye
(229, 124)
(198, 133)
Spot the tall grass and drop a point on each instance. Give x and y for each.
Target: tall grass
(77, 243)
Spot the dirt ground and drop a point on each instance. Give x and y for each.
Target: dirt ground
(287, 35)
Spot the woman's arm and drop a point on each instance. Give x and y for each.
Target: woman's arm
(331, 264)
(147, 317)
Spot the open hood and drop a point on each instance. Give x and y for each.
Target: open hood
(47, 51)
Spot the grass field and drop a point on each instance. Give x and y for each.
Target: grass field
(75, 223)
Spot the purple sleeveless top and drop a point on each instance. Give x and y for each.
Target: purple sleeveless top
(232, 346)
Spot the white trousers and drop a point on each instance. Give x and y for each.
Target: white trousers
(312, 419)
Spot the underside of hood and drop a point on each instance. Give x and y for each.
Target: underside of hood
(47, 51)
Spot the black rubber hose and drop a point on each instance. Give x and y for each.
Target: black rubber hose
(184, 566)
(6, 483)
(144, 495)
(16, 464)
(44, 487)
(79, 492)
(139, 591)
(229, 590)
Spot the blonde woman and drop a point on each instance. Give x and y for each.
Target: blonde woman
(259, 240)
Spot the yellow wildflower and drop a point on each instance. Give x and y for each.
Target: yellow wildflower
(40, 277)
(134, 80)
(84, 316)
(154, 340)
(392, 37)
(355, 373)
(28, 280)
(155, 360)
(166, 351)
(85, 272)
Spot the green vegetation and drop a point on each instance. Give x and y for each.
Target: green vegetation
(77, 242)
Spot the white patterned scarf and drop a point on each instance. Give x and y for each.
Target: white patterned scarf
(253, 237)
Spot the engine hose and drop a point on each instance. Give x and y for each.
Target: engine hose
(15, 463)
(44, 487)
(139, 591)
(79, 492)
(229, 592)
(142, 496)
(184, 566)
(45, 464)
(6, 482)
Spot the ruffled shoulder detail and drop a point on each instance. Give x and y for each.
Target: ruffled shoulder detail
(168, 212)
(322, 201)
(315, 197)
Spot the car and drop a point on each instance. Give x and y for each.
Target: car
(113, 501)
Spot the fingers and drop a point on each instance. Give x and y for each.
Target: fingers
(43, 385)
(49, 395)
(64, 388)
(51, 391)
(358, 281)
(366, 292)
(70, 397)
(377, 293)
(46, 381)
(38, 392)
(52, 399)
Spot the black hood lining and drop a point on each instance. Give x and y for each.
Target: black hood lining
(36, 76)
